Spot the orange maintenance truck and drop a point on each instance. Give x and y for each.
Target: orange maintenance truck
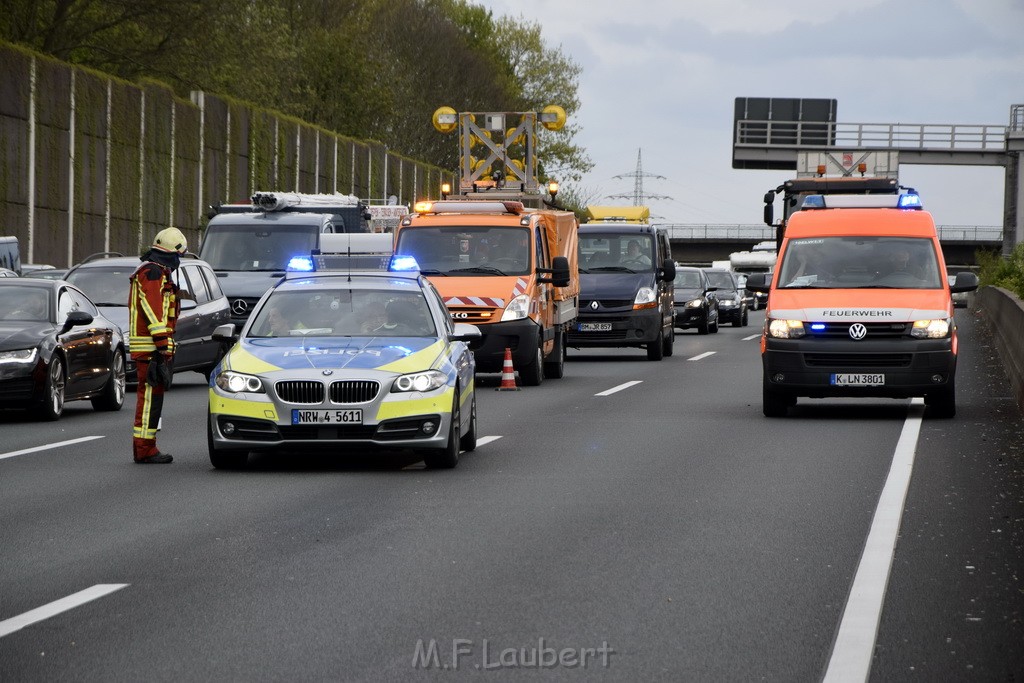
(859, 305)
(509, 270)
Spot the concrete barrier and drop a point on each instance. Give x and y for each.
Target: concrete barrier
(1005, 312)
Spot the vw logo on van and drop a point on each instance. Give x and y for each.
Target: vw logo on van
(239, 307)
(858, 331)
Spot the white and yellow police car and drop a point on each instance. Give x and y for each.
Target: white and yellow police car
(346, 359)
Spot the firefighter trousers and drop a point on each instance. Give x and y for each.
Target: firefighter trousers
(148, 406)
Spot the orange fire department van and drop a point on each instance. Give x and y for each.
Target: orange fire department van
(859, 305)
(511, 271)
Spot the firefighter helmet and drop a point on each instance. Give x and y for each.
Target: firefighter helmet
(170, 240)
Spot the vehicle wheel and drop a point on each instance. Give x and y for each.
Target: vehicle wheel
(112, 397)
(556, 368)
(53, 393)
(224, 459)
(656, 348)
(533, 374)
(448, 457)
(774, 403)
(670, 341)
(942, 404)
(702, 327)
(467, 441)
(744, 319)
(754, 305)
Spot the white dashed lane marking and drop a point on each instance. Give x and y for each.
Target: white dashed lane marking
(48, 446)
(8, 626)
(753, 336)
(703, 355)
(627, 385)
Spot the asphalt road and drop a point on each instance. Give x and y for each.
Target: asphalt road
(666, 531)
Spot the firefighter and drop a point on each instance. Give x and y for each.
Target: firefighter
(153, 309)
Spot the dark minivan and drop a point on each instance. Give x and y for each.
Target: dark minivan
(626, 275)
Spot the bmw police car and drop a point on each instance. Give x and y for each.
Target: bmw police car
(342, 359)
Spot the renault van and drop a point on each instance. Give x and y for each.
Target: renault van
(859, 306)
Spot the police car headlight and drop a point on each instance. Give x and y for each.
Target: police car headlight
(237, 382)
(931, 329)
(696, 303)
(786, 329)
(420, 381)
(19, 356)
(517, 309)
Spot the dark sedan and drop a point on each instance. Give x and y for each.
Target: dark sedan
(732, 306)
(105, 278)
(56, 346)
(695, 301)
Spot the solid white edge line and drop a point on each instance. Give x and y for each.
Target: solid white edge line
(627, 385)
(703, 355)
(855, 641)
(8, 626)
(753, 336)
(47, 446)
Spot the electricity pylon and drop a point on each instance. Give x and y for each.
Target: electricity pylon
(639, 197)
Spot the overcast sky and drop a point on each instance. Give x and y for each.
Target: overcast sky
(662, 76)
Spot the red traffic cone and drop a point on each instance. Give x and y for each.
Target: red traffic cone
(508, 373)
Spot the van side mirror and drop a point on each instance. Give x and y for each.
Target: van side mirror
(668, 270)
(559, 270)
(769, 208)
(965, 282)
(759, 282)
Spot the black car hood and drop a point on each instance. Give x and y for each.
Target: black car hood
(20, 334)
(612, 285)
(240, 283)
(688, 294)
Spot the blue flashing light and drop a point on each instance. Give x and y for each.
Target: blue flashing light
(813, 201)
(301, 263)
(403, 263)
(818, 327)
(910, 201)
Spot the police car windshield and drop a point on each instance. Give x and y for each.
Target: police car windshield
(860, 263)
(246, 247)
(310, 312)
(468, 250)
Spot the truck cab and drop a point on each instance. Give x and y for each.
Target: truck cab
(860, 306)
(509, 270)
(626, 288)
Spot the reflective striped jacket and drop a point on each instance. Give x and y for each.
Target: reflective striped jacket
(153, 309)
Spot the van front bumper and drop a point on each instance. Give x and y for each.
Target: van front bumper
(627, 328)
(906, 367)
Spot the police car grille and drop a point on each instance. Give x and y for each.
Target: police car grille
(875, 330)
(858, 360)
(354, 391)
(469, 314)
(300, 391)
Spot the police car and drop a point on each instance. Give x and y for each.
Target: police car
(349, 358)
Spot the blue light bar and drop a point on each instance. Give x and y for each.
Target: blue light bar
(813, 201)
(403, 263)
(301, 263)
(818, 327)
(910, 201)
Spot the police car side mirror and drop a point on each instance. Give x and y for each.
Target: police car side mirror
(465, 332)
(965, 282)
(225, 333)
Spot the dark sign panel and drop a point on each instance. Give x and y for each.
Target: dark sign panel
(767, 131)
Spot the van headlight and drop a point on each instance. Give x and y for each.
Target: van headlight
(517, 309)
(931, 329)
(237, 382)
(427, 380)
(645, 298)
(786, 329)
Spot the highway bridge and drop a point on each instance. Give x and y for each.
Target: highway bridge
(699, 243)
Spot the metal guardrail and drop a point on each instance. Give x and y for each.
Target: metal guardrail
(819, 135)
(1017, 118)
(757, 233)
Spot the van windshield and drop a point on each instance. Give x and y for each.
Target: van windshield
(610, 253)
(467, 250)
(860, 263)
(244, 246)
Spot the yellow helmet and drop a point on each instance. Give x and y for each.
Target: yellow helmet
(170, 240)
